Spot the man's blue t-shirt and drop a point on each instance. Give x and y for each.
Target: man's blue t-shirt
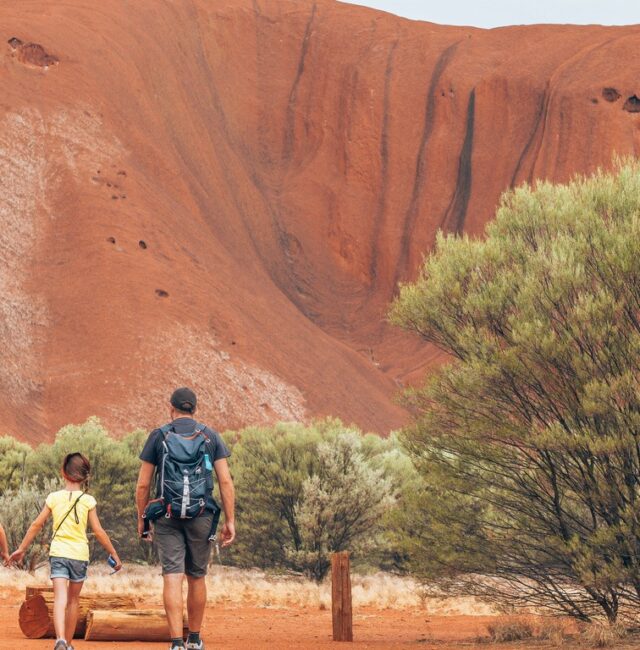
(152, 450)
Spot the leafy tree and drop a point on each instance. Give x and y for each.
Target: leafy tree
(341, 506)
(304, 492)
(528, 441)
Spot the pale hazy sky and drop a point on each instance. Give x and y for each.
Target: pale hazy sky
(494, 13)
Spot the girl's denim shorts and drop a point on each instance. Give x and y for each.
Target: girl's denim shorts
(72, 570)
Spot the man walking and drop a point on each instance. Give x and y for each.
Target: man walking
(186, 454)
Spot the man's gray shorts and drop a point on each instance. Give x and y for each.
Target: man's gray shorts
(183, 544)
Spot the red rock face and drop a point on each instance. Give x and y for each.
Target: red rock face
(226, 194)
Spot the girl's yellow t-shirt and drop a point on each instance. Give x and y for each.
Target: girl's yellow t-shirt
(71, 539)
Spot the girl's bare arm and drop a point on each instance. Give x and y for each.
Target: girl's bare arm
(103, 538)
(31, 534)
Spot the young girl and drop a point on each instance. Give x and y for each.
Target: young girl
(69, 550)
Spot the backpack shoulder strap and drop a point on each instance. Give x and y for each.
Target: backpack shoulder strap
(165, 431)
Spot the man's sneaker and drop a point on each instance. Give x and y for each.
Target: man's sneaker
(195, 646)
(61, 645)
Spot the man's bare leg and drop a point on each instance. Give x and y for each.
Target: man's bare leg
(196, 602)
(172, 596)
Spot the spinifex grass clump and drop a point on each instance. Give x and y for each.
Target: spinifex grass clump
(529, 440)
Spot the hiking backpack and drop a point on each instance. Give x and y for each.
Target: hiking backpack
(184, 478)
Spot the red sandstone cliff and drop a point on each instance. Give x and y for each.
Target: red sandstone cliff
(225, 194)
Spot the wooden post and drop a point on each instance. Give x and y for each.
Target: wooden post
(341, 597)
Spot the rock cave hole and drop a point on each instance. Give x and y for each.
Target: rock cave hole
(610, 94)
(161, 293)
(111, 240)
(632, 105)
(143, 244)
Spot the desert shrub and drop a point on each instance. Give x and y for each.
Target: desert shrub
(306, 491)
(13, 455)
(506, 629)
(551, 629)
(114, 471)
(341, 507)
(19, 507)
(527, 442)
(302, 491)
(603, 635)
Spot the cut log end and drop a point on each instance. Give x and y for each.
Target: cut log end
(34, 618)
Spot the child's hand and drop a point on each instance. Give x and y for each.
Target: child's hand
(118, 564)
(5, 559)
(16, 557)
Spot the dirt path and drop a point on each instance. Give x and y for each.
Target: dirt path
(246, 628)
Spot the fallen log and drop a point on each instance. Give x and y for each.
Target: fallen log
(128, 625)
(36, 613)
(36, 590)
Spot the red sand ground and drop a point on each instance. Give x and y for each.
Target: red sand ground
(274, 629)
(226, 193)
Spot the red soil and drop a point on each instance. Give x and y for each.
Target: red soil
(285, 629)
(225, 194)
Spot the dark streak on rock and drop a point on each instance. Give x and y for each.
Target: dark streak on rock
(289, 130)
(421, 165)
(346, 103)
(555, 78)
(542, 108)
(454, 217)
(384, 167)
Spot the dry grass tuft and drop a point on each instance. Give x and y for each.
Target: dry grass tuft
(603, 635)
(506, 629)
(258, 588)
(553, 630)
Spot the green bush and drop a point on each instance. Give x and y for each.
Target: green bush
(13, 458)
(20, 506)
(306, 491)
(527, 442)
(114, 471)
(302, 492)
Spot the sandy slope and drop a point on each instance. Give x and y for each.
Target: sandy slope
(226, 193)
